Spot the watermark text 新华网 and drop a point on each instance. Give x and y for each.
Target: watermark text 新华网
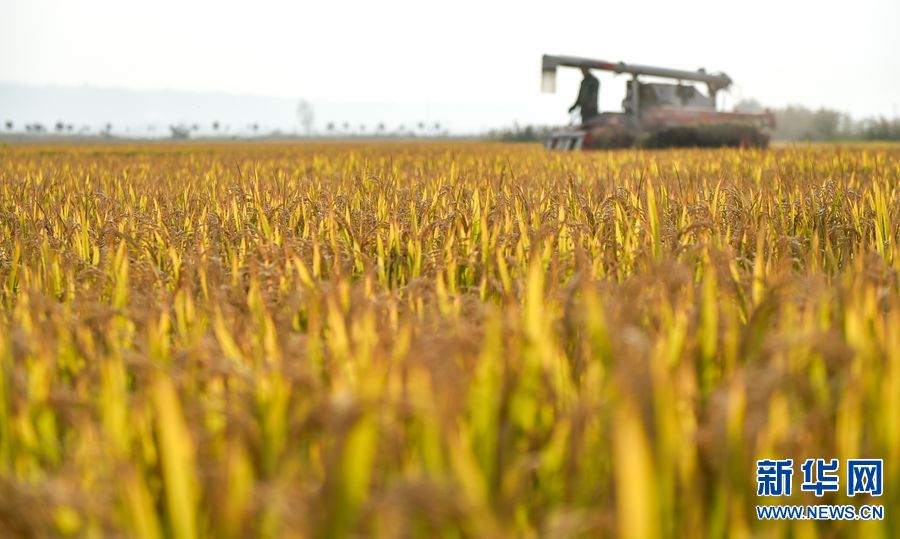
(774, 478)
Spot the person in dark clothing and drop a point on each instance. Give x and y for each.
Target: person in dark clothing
(588, 95)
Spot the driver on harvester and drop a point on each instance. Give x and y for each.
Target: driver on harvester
(588, 95)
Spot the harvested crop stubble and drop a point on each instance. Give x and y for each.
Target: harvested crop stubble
(470, 340)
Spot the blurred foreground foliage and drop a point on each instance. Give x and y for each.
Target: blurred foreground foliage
(434, 340)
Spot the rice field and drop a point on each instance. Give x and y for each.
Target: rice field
(441, 340)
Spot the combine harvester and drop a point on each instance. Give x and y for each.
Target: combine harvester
(655, 114)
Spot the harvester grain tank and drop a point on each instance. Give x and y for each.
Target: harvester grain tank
(657, 114)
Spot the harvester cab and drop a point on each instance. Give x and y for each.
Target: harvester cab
(657, 113)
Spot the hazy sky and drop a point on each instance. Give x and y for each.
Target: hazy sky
(839, 54)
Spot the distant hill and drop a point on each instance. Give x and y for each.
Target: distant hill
(152, 112)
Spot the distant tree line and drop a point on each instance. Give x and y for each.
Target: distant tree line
(519, 133)
(796, 122)
(880, 129)
(183, 131)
